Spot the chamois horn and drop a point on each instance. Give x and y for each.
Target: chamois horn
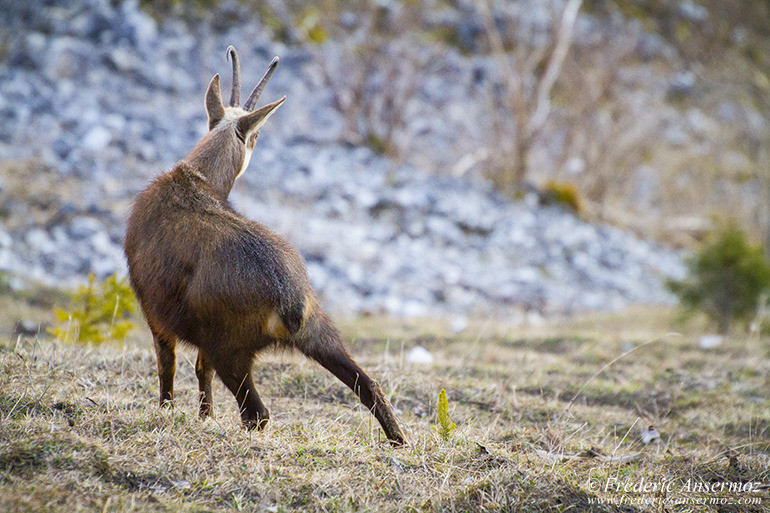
(235, 93)
(254, 96)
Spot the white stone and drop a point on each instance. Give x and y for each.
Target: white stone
(710, 341)
(84, 226)
(39, 240)
(96, 139)
(650, 434)
(535, 319)
(5, 239)
(419, 355)
(459, 324)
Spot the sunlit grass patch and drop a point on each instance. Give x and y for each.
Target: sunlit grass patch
(540, 414)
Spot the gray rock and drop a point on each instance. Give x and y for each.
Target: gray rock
(123, 60)
(7, 260)
(692, 11)
(139, 28)
(84, 227)
(39, 241)
(653, 46)
(728, 111)
(682, 84)
(96, 139)
(5, 239)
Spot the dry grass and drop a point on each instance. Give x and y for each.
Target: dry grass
(539, 426)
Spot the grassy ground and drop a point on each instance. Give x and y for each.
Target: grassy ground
(548, 419)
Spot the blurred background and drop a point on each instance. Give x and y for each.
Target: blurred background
(511, 159)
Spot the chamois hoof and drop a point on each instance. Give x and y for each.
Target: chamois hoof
(395, 436)
(397, 441)
(204, 412)
(258, 423)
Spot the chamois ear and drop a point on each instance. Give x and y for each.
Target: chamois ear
(252, 121)
(214, 107)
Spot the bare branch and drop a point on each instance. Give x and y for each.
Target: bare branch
(563, 43)
(507, 69)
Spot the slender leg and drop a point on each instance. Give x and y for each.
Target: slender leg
(329, 351)
(205, 372)
(235, 372)
(165, 349)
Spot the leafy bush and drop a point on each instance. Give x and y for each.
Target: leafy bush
(445, 425)
(726, 278)
(98, 312)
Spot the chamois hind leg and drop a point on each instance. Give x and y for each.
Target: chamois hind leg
(165, 349)
(235, 372)
(205, 371)
(327, 349)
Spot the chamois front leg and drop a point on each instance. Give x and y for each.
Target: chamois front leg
(234, 369)
(165, 349)
(205, 371)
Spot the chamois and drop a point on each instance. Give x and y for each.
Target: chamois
(207, 276)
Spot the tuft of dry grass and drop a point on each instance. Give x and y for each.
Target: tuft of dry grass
(545, 418)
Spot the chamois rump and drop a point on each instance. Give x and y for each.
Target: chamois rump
(209, 277)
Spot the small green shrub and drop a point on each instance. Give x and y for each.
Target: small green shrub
(309, 22)
(98, 312)
(726, 278)
(562, 193)
(376, 143)
(445, 426)
(160, 9)
(5, 283)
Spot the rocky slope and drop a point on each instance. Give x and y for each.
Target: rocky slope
(98, 99)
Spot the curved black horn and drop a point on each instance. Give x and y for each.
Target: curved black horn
(254, 96)
(235, 93)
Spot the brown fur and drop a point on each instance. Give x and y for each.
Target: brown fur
(207, 276)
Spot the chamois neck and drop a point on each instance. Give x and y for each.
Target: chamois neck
(218, 158)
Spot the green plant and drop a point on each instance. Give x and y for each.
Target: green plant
(726, 278)
(5, 283)
(161, 9)
(445, 425)
(98, 312)
(309, 22)
(562, 193)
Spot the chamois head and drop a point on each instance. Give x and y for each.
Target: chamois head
(224, 152)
